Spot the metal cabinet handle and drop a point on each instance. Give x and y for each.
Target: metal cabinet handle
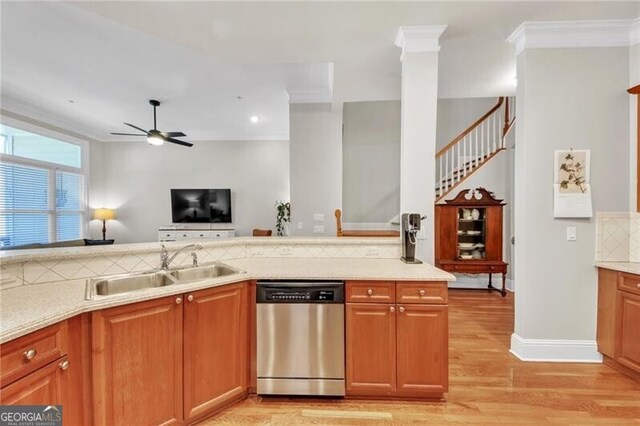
(64, 365)
(178, 300)
(401, 309)
(422, 292)
(392, 309)
(30, 354)
(190, 298)
(369, 292)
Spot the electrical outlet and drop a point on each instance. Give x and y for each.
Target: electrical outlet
(300, 225)
(371, 251)
(318, 217)
(285, 251)
(318, 229)
(571, 233)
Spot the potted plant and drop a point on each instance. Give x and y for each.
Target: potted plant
(283, 217)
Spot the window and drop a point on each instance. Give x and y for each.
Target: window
(42, 193)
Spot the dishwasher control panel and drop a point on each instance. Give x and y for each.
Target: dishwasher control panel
(300, 292)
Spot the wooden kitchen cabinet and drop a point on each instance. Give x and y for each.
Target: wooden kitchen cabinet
(618, 326)
(215, 349)
(629, 330)
(422, 350)
(46, 368)
(399, 349)
(137, 363)
(44, 386)
(370, 348)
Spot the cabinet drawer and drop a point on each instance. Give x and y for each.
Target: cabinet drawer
(432, 292)
(371, 291)
(28, 353)
(630, 283)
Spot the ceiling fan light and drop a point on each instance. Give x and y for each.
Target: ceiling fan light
(155, 140)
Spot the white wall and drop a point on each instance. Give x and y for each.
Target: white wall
(566, 98)
(316, 167)
(135, 179)
(455, 115)
(371, 161)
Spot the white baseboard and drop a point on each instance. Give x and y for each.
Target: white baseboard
(543, 350)
(481, 281)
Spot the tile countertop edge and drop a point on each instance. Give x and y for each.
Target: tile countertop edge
(629, 267)
(11, 256)
(39, 312)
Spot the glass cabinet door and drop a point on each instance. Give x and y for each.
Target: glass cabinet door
(471, 233)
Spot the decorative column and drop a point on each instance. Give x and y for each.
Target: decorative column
(420, 46)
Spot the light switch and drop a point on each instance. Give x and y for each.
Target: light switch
(300, 225)
(571, 233)
(318, 229)
(318, 217)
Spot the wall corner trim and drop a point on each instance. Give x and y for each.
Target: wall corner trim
(575, 34)
(544, 350)
(419, 39)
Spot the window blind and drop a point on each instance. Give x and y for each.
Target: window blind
(24, 205)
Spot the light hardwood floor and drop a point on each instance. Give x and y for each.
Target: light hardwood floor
(488, 385)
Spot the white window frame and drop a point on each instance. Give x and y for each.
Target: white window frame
(52, 168)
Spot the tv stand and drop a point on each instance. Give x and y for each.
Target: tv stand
(174, 233)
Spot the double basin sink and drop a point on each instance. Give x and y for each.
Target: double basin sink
(127, 283)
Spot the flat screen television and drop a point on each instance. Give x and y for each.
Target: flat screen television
(201, 205)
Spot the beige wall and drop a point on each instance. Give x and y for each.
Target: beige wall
(634, 79)
(371, 161)
(316, 167)
(566, 98)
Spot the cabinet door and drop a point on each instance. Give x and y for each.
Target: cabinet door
(370, 349)
(137, 363)
(45, 386)
(422, 350)
(216, 348)
(446, 225)
(629, 326)
(493, 231)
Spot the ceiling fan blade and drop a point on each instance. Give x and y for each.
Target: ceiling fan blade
(173, 134)
(137, 128)
(176, 141)
(126, 134)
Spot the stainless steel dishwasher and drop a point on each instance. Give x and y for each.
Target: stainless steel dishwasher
(300, 338)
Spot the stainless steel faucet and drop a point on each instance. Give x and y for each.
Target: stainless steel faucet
(165, 260)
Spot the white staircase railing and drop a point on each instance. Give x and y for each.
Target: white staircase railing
(477, 144)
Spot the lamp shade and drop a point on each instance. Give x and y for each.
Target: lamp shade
(104, 214)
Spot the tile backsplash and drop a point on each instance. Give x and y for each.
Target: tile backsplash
(68, 267)
(617, 237)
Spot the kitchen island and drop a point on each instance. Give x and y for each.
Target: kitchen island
(112, 347)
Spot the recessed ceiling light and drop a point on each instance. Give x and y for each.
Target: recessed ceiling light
(254, 118)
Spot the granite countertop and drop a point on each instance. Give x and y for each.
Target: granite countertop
(28, 308)
(629, 267)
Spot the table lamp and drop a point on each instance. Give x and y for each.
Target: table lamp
(104, 215)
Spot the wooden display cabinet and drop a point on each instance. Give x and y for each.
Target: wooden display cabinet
(469, 235)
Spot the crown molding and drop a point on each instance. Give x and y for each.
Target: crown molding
(575, 34)
(419, 39)
(310, 95)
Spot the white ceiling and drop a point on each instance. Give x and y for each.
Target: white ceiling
(196, 57)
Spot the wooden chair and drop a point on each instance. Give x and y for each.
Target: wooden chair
(361, 232)
(262, 232)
